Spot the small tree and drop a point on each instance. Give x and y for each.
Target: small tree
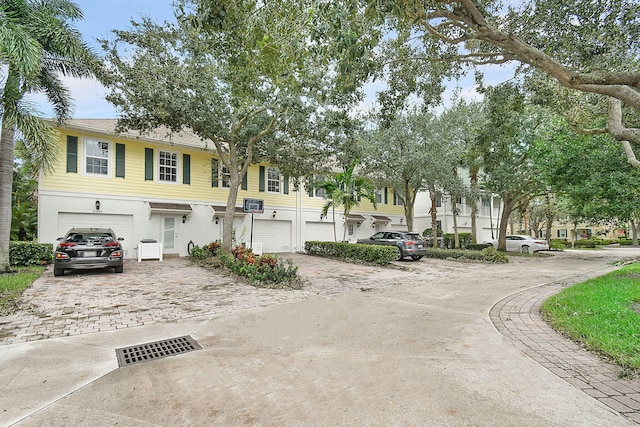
(346, 189)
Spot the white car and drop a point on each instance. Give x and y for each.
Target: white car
(524, 244)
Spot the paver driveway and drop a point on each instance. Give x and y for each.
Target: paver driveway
(358, 346)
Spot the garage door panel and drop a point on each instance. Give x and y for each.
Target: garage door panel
(319, 231)
(275, 236)
(121, 224)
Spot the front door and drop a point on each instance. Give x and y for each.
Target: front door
(169, 234)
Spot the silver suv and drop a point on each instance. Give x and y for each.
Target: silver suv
(408, 243)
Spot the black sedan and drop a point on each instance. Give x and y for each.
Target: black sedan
(88, 248)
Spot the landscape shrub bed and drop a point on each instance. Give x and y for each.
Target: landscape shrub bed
(487, 255)
(265, 270)
(23, 254)
(450, 241)
(585, 243)
(626, 242)
(374, 254)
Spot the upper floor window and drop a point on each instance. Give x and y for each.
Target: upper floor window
(225, 176)
(97, 157)
(438, 201)
(273, 180)
(319, 192)
(379, 195)
(167, 166)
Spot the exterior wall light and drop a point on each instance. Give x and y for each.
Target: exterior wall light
(184, 219)
(273, 215)
(97, 205)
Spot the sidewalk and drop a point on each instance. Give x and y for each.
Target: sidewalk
(358, 346)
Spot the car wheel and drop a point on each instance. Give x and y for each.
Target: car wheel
(524, 249)
(119, 269)
(400, 255)
(416, 257)
(490, 245)
(57, 272)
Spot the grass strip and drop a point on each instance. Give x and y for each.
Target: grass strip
(603, 314)
(12, 284)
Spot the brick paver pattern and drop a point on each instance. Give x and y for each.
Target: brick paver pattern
(93, 301)
(518, 317)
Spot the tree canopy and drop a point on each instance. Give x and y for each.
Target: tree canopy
(236, 73)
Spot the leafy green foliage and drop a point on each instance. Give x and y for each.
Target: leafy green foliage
(30, 253)
(599, 313)
(356, 252)
(264, 271)
(487, 254)
(38, 47)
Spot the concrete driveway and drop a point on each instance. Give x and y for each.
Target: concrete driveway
(432, 343)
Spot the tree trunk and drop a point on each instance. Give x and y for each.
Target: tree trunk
(549, 217)
(229, 213)
(473, 175)
(634, 232)
(6, 178)
(408, 206)
(508, 205)
(434, 218)
(454, 209)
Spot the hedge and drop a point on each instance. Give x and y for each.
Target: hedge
(375, 254)
(449, 240)
(487, 254)
(22, 254)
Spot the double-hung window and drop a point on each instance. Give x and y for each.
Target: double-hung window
(97, 157)
(167, 166)
(273, 180)
(225, 176)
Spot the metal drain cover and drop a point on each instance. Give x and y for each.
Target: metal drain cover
(155, 350)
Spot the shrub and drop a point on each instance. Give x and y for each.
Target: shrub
(375, 254)
(487, 254)
(586, 243)
(22, 254)
(491, 254)
(428, 232)
(478, 246)
(626, 242)
(199, 253)
(449, 240)
(265, 269)
(558, 244)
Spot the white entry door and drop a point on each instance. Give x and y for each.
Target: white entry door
(169, 233)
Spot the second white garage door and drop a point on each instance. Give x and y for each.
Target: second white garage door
(274, 235)
(320, 231)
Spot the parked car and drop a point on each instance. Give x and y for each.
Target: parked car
(88, 248)
(408, 243)
(519, 243)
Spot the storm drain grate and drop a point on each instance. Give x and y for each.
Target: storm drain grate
(156, 350)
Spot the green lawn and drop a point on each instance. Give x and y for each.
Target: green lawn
(13, 284)
(602, 313)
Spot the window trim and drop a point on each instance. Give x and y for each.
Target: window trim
(269, 180)
(110, 154)
(176, 167)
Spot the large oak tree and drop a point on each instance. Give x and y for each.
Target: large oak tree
(238, 74)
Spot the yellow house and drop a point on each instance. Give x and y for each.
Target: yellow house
(171, 189)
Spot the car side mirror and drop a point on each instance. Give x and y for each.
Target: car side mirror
(120, 239)
(60, 239)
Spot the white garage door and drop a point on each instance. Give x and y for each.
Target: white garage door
(275, 236)
(320, 231)
(121, 224)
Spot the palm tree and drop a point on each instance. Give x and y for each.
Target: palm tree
(37, 46)
(347, 189)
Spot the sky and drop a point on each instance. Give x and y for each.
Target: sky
(100, 18)
(103, 16)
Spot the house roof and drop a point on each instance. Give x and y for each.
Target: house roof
(162, 135)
